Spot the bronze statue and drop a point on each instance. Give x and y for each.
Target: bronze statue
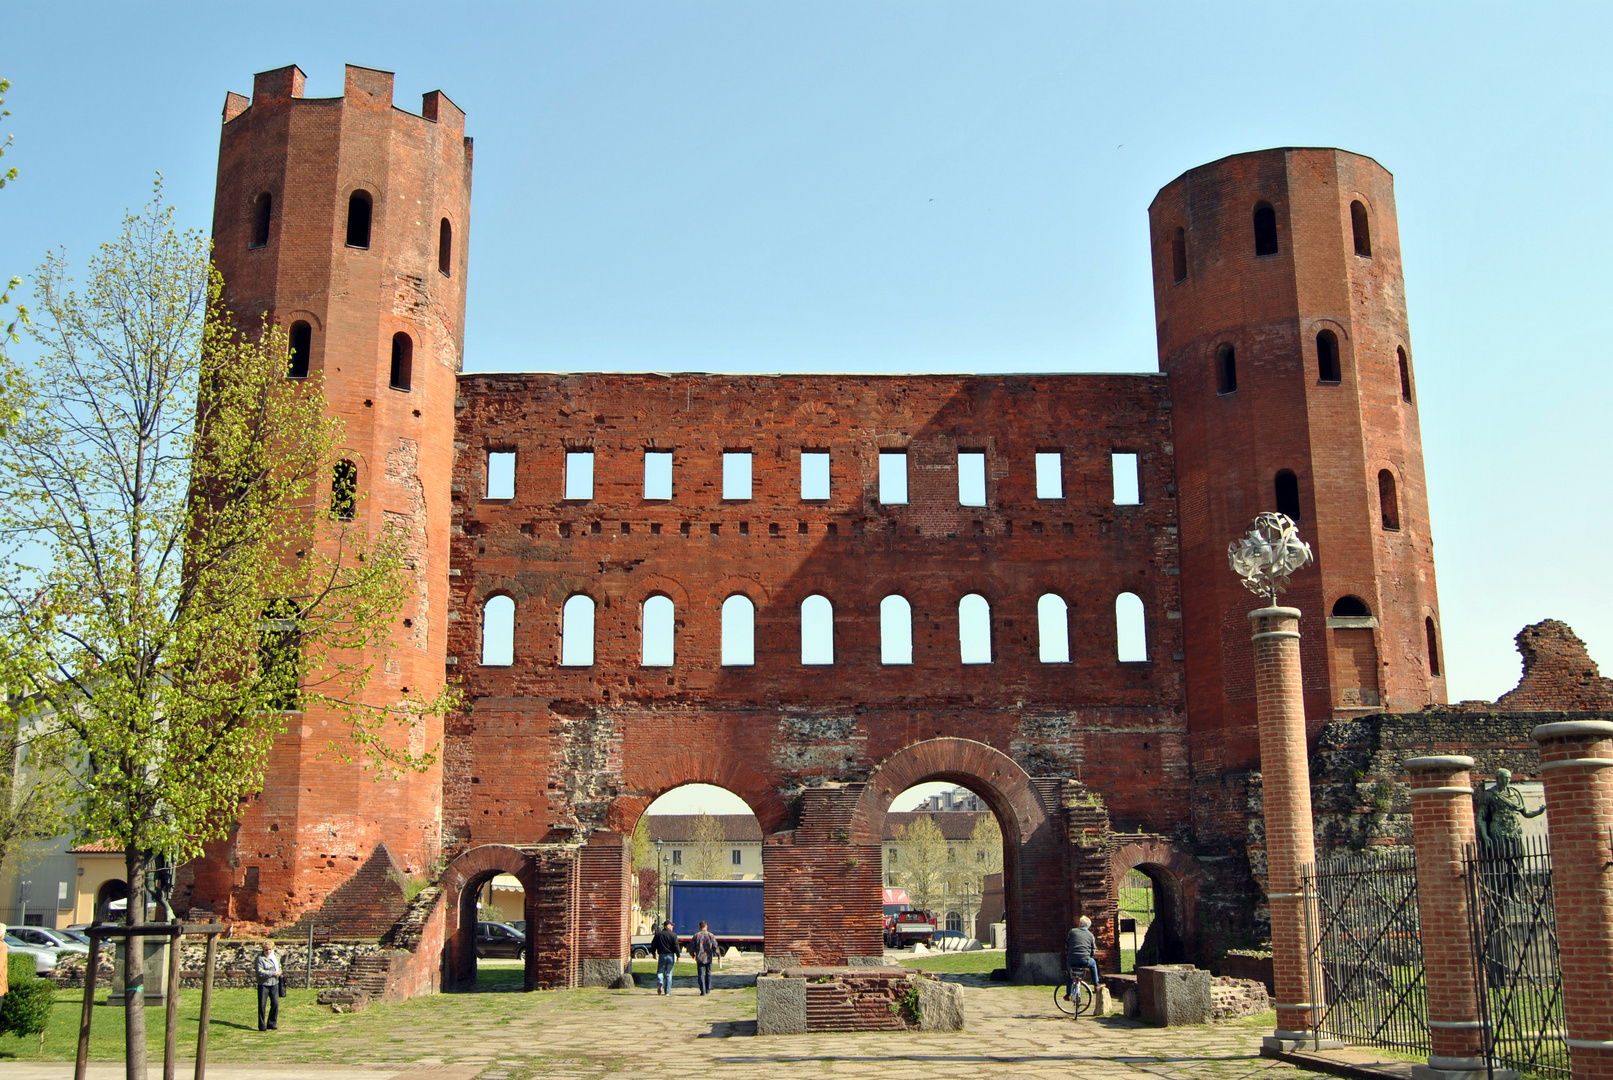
(1500, 810)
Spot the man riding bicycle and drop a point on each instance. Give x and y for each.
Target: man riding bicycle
(1079, 949)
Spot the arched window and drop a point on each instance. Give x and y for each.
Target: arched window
(817, 631)
(659, 630)
(344, 491)
(1287, 490)
(1265, 230)
(301, 347)
(738, 632)
(1405, 374)
(974, 629)
(445, 249)
(1179, 255)
(1351, 607)
(1433, 646)
(280, 653)
(1388, 501)
(358, 219)
(498, 632)
(1226, 370)
(262, 211)
(954, 922)
(1327, 357)
(1131, 629)
(577, 632)
(1053, 627)
(895, 631)
(1358, 225)
(402, 360)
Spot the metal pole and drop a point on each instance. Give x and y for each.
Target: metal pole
(170, 1034)
(207, 1005)
(91, 966)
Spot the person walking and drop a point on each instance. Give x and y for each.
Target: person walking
(665, 947)
(704, 947)
(5, 986)
(1079, 948)
(268, 972)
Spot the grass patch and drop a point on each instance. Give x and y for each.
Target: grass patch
(958, 963)
(682, 967)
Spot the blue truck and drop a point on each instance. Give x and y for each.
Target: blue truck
(732, 910)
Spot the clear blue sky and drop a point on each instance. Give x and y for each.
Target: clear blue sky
(941, 187)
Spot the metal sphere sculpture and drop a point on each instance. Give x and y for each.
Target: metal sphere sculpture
(1268, 555)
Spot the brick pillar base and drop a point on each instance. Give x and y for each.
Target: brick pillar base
(1442, 825)
(1290, 839)
(1576, 763)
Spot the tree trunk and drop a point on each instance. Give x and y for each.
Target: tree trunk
(134, 971)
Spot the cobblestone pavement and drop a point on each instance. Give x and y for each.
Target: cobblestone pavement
(1013, 1031)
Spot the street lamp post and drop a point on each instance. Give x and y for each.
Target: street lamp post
(659, 883)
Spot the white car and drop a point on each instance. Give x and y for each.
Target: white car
(44, 959)
(42, 938)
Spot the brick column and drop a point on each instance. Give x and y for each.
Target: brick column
(1442, 826)
(1290, 839)
(1576, 763)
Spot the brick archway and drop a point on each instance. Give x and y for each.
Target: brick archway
(548, 874)
(1176, 876)
(651, 776)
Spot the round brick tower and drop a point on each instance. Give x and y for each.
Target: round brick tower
(346, 219)
(1282, 325)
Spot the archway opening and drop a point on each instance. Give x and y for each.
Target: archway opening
(1152, 917)
(495, 917)
(942, 870)
(110, 892)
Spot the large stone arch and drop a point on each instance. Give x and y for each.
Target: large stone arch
(648, 778)
(1176, 875)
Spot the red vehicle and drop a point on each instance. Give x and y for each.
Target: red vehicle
(905, 925)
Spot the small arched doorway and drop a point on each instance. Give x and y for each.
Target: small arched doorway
(469, 888)
(1172, 879)
(111, 891)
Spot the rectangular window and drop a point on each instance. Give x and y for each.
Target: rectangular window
(1128, 485)
(579, 474)
(657, 474)
(677, 857)
(893, 477)
(736, 482)
(971, 478)
(501, 474)
(738, 857)
(814, 474)
(1049, 475)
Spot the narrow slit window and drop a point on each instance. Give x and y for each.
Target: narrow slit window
(1127, 479)
(814, 474)
(1049, 474)
(971, 478)
(892, 477)
(1179, 255)
(1286, 487)
(577, 632)
(738, 632)
(895, 631)
(1433, 646)
(498, 632)
(344, 491)
(1327, 357)
(262, 212)
(579, 474)
(1226, 370)
(974, 629)
(817, 631)
(445, 249)
(657, 474)
(501, 474)
(359, 208)
(280, 654)
(301, 347)
(1053, 629)
(1360, 227)
(736, 474)
(1388, 500)
(660, 631)
(402, 361)
(1405, 374)
(1265, 230)
(1131, 629)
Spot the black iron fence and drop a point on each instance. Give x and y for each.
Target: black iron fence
(1367, 965)
(1520, 984)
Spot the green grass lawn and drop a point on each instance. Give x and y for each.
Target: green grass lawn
(958, 963)
(683, 967)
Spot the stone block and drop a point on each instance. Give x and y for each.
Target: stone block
(781, 1005)
(1174, 994)
(596, 972)
(940, 1005)
(1040, 969)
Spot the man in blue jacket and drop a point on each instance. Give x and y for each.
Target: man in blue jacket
(665, 947)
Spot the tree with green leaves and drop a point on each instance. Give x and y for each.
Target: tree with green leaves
(708, 850)
(174, 560)
(922, 865)
(978, 856)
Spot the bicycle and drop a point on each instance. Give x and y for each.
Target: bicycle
(1080, 1003)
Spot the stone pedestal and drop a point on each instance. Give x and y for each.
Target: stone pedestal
(1173, 994)
(1576, 763)
(156, 975)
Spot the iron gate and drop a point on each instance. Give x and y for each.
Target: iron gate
(1514, 924)
(1367, 965)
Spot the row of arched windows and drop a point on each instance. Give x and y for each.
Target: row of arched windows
(1265, 236)
(301, 347)
(1329, 368)
(1286, 492)
(360, 216)
(1354, 607)
(658, 631)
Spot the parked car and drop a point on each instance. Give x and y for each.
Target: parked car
(43, 938)
(519, 924)
(75, 934)
(908, 928)
(641, 945)
(44, 959)
(499, 940)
